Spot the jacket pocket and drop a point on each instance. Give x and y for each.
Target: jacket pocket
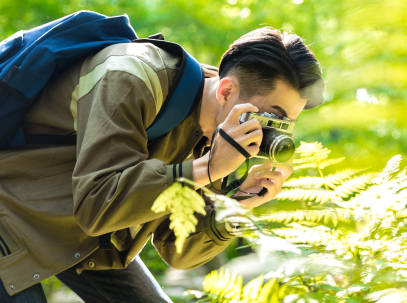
(7, 243)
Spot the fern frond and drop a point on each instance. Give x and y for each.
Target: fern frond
(313, 156)
(313, 236)
(317, 164)
(325, 216)
(306, 165)
(391, 167)
(310, 159)
(312, 182)
(330, 162)
(337, 178)
(401, 177)
(351, 186)
(267, 290)
(307, 149)
(182, 202)
(223, 286)
(322, 154)
(319, 196)
(252, 289)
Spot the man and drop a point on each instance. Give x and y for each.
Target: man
(56, 200)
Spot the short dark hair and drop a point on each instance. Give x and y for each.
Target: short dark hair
(260, 57)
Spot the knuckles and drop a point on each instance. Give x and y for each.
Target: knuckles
(258, 133)
(256, 150)
(278, 175)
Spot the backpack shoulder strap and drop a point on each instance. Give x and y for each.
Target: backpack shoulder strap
(183, 95)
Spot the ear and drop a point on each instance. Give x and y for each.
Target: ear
(226, 87)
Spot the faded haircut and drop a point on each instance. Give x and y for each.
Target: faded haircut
(260, 57)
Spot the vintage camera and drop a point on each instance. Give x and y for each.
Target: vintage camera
(277, 143)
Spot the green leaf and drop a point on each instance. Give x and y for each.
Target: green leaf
(267, 290)
(182, 202)
(252, 289)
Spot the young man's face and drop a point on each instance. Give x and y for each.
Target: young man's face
(282, 101)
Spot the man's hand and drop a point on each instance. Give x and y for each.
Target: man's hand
(262, 176)
(225, 158)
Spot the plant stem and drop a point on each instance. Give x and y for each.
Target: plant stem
(322, 176)
(326, 186)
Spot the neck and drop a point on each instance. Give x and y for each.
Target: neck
(209, 107)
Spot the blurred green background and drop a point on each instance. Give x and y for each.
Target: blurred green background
(361, 45)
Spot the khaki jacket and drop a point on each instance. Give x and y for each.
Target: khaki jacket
(56, 200)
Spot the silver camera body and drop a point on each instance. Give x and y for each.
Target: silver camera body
(277, 143)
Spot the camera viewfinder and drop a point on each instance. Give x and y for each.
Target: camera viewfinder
(272, 123)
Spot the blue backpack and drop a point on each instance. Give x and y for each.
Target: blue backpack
(29, 58)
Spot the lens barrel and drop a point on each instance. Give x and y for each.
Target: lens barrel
(277, 146)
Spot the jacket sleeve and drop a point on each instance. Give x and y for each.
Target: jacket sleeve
(209, 239)
(114, 182)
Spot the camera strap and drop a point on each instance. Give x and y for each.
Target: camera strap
(226, 189)
(238, 182)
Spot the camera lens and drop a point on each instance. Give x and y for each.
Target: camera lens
(283, 149)
(276, 145)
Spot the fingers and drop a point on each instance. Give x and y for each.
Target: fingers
(263, 176)
(245, 134)
(285, 169)
(251, 142)
(272, 191)
(254, 137)
(253, 150)
(267, 165)
(273, 176)
(249, 126)
(237, 110)
(272, 188)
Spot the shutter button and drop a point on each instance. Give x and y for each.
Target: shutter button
(91, 264)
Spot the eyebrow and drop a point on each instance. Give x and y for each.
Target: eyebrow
(282, 112)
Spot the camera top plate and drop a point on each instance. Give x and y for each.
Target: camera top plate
(267, 121)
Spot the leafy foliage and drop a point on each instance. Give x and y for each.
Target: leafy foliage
(316, 216)
(331, 188)
(352, 247)
(182, 202)
(317, 196)
(223, 287)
